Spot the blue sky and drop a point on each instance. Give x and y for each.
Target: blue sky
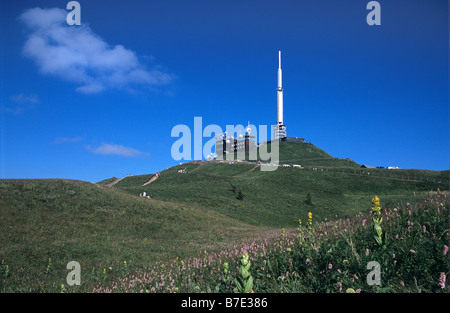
(100, 100)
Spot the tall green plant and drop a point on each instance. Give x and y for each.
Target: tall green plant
(309, 222)
(377, 218)
(244, 282)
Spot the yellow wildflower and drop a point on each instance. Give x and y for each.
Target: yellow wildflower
(309, 222)
(376, 204)
(377, 219)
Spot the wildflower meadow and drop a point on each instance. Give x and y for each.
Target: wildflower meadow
(408, 244)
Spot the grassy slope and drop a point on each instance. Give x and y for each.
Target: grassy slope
(97, 226)
(277, 198)
(293, 153)
(306, 155)
(100, 226)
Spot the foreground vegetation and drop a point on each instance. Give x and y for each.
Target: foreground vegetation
(128, 243)
(131, 244)
(44, 224)
(329, 257)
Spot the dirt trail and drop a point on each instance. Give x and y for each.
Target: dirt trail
(255, 167)
(115, 181)
(151, 180)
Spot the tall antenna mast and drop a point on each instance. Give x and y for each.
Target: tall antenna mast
(279, 59)
(279, 93)
(280, 128)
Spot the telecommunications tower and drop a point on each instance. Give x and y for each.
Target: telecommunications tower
(279, 129)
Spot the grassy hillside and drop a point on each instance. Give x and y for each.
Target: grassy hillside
(330, 257)
(134, 180)
(294, 153)
(309, 155)
(242, 191)
(277, 198)
(44, 224)
(99, 227)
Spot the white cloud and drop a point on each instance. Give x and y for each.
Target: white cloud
(24, 99)
(113, 149)
(20, 103)
(78, 55)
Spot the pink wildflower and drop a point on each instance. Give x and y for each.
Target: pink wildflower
(330, 266)
(412, 251)
(367, 252)
(445, 249)
(363, 222)
(402, 283)
(442, 278)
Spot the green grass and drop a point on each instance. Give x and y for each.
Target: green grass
(106, 181)
(100, 227)
(292, 150)
(136, 180)
(331, 257)
(305, 154)
(276, 198)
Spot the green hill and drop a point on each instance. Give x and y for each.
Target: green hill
(99, 227)
(309, 155)
(209, 206)
(278, 198)
(304, 153)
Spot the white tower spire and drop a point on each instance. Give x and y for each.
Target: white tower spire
(279, 93)
(279, 70)
(280, 128)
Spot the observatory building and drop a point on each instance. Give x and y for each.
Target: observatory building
(228, 144)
